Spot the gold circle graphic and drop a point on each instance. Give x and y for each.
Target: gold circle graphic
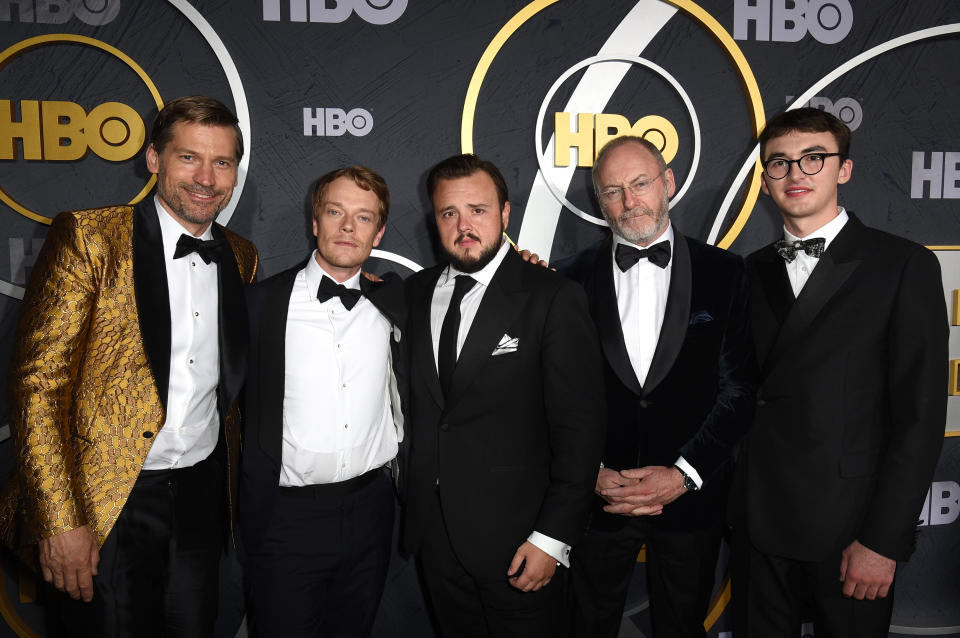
(29, 44)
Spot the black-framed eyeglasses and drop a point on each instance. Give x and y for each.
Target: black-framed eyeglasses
(810, 164)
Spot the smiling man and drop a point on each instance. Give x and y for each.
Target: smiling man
(506, 417)
(323, 420)
(850, 333)
(129, 357)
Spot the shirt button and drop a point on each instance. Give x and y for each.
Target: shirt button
(344, 385)
(345, 426)
(196, 314)
(193, 264)
(190, 361)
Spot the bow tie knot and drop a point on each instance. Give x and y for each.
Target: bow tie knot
(657, 254)
(208, 249)
(788, 249)
(328, 289)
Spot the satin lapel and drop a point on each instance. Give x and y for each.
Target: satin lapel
(152, 294)
(676, 316)
(234, 332)
(834, 268)
(607, 314)
(421, 340)
(502, 302)
(273, 330)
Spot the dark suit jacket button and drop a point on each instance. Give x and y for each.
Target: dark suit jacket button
(148, 435)
(644, 403)
(444, 427)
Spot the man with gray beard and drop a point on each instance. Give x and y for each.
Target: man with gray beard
(679, 372)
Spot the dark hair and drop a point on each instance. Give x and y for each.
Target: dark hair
(622, 141)
(807, 120)
(363, 177)
(466, 165)
(196, 109)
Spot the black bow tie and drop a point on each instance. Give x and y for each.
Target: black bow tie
(208, 249)
(788, 249)
(658, 255)
(329, 289)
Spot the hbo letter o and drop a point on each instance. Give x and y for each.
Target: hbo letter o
(359, 122)
(380, 11)
(829, 21)
(849, 111)
(114, 131)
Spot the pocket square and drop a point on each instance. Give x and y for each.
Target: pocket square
(701, 316)
(507, 344)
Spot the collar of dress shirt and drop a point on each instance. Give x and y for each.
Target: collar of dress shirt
(667, 235)
(171, 229)
(828, 231)
(315, 272)
(484, 275)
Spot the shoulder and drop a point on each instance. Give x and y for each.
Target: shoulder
(582, 264)
(716, 261)
(284, 278)
(98, 232)
(245, 252)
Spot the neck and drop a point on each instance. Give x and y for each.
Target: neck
(803, 226)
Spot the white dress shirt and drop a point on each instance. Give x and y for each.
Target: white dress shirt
(190, 432)
(337, 417)
(799, 270)
(468, 310)
(642, 301)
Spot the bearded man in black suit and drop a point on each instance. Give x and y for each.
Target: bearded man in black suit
(679, 371)
(851, 338)
(506, 417)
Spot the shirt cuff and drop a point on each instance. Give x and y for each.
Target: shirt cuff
(688, 469)
(559, 550)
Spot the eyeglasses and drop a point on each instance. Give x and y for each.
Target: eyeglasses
(639, 187)
(810, 164)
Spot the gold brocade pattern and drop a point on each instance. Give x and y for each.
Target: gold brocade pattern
(81, 393)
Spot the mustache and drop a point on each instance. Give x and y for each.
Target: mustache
(627, 215)
(202, 190)
(463, 236)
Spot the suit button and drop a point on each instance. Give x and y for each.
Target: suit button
(148, 435)
(644, 403)
(444, 427)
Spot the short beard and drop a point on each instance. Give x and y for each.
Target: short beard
(660, 217)
(175, 203)
(473, 264)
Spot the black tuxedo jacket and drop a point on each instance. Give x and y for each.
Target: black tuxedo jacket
(852, 399)
(699, 392)
(516, 446)
(267, 305)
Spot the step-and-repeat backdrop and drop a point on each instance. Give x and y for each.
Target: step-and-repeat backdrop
(534, 85)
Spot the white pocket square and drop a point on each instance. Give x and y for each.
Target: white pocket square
(507, 344)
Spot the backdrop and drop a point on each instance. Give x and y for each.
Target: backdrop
(536, 86)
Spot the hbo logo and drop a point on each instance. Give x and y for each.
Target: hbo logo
(63, 131)
(828, 21)
(847, 109)
(92, 12)
(372, 11)
(335, 122)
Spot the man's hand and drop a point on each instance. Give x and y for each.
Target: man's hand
(608, 479)
(533, 258)
(537, 570)
(69, 560)
(865, 573)
(655, 487)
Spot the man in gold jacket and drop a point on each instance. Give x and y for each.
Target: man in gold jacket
(127, 363)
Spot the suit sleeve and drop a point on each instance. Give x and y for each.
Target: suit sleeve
(917, 402)
(48, 350)
(732, 411)
(573, 395)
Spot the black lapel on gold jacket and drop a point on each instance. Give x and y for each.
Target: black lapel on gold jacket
(676, 316)
(152, 293)
(273, 330)
(607, 314)
(501, 303)
(233, 326)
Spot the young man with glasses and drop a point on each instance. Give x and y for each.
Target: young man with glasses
(849, 330)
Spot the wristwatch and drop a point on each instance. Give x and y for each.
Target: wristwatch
(688, 483)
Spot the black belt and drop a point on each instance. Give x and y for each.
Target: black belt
(326, 490)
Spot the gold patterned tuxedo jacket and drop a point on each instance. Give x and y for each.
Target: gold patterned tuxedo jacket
(89, 371)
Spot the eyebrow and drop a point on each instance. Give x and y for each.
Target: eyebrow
(632, 181)
(811, 149)
(330, 202)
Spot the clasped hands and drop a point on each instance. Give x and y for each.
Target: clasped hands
(641, 491)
